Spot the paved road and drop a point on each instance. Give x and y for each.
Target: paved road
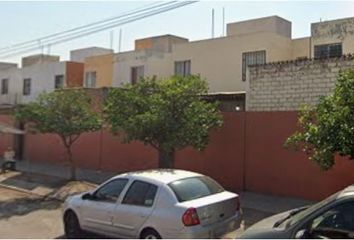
(27, 216)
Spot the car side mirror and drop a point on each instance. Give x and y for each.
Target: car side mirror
(302, 234)
(87, 196)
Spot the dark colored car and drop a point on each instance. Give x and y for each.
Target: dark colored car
(330, 218)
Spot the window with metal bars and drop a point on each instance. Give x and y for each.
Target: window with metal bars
(252, 58)
(328, 50)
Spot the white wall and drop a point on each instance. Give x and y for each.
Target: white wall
(13, 74)
(42, 78)
(155, 63)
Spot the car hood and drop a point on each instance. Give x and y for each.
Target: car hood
(265, 229)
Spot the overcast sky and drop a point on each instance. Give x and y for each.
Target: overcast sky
(23, 21)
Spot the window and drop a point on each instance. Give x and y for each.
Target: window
(111, 190)
(183, 68)
(90, 79)
(328, 50)
(195, 187)
(59, 81)
(4, 86)
(136, 74)
(337, 222)
(252, 58)
(140, 194)
(26, 86)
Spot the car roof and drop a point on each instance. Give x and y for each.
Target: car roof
(348, 191)
(164, 176)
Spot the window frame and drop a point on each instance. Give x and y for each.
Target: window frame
(62, 79)
(3, 88)
(244, 64)
(138, 205)
(317, 51)
(94, 194)
(136, 73)
(26, 90)
(92, 81)
(186, 68)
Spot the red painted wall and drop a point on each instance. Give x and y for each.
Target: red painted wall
(247, 153)
(270, 168)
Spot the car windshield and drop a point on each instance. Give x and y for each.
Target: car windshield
(194, 187)
(300, 215)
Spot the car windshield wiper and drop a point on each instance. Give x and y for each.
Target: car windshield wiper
(292, 213)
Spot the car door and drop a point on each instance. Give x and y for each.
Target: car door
(97, 211)
(335, 222)
(135, 208)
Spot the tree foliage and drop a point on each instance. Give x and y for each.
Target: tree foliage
(167, 114)
(67, 113)
(328, 128)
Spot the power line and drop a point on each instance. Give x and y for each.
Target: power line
(117, 22)
(84, 26)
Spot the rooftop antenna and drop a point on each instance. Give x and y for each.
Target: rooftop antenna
(212, 23)
(48, 52)
(111, 39)
(223, 21)
(120, 40)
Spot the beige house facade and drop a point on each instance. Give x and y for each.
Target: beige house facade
(223, 61)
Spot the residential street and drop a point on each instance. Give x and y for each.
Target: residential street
(25, 212)
(28, 216)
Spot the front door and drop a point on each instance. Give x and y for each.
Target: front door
(97, 213)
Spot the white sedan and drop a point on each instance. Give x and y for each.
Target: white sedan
(159, 203)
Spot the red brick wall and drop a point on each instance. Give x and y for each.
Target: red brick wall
(246, 153)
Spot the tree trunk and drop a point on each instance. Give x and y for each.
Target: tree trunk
(166, 158)
(72, 164)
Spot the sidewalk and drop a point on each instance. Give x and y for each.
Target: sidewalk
(261, 202)
(62, 171)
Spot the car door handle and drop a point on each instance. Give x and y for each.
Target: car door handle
(143, 215)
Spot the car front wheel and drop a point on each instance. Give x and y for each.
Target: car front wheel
(72, 226)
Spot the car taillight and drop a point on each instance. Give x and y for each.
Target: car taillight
(190, 217)
(238, 204)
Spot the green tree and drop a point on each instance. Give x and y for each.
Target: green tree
(67, 113)
(328, 128)
(167, 114)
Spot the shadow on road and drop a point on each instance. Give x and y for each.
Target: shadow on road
(26, 205)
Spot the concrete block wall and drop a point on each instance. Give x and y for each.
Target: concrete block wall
(286, 86)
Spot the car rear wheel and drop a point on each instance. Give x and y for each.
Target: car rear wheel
(150, 234)
(72, 226)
